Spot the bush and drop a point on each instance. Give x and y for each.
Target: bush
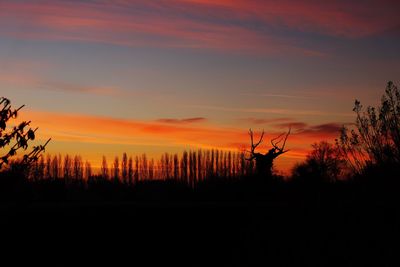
(374, 140)
(323, 164)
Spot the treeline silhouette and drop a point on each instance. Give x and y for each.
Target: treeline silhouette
(365, 153)
(189, 168)
(172, 176)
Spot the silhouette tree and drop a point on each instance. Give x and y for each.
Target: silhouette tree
(323, 164)
(200, 165)
(67, 168)
(37, 170)
(88, 170)
(78, 168)
(176, 167)
(130, 171)
(104, 169)
(184, 167)
(212, 161)
(217, 162)
(55, 168)
(229, 165)
(124, 168)
(374, 140)
(242, 164)
(151, 169)
(144, 167)
(116, 169)
(47, 173)
(192, 168)
(136, 179)
(13, 139)
(168, 163)
(264, 162)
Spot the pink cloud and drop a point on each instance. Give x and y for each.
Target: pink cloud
(196, 23)
(350, 19)
(29, 80)
(187, 24)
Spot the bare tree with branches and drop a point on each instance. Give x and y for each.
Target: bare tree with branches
(264, 162)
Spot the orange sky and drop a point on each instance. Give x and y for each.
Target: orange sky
(98, 134)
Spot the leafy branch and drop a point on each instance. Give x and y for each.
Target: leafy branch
(14, 139)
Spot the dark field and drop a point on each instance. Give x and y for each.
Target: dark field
(335, 227)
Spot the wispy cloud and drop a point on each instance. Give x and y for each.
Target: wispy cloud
(182, 121)
(19, 79)
(135, 24)
(32, 81)
(299, 127)
(241, 26)
(280, 111)
(293, 125)
(231, 26)
(112, 130)
(348, 19)
(260, 121)
(326, 128)
(73, 88)
(278, 95)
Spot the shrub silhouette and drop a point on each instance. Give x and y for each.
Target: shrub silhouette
(13, 139)
(323, 164)
(374, 141)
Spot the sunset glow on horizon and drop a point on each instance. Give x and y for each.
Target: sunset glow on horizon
(107, 77)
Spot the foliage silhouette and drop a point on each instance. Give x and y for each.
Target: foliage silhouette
(323, 164)
(13, 139)
(374, 141)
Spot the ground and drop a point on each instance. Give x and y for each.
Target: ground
(249, 233)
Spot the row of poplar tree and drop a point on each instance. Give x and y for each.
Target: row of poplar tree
(190, 167)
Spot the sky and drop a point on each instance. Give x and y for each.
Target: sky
(107, 77)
